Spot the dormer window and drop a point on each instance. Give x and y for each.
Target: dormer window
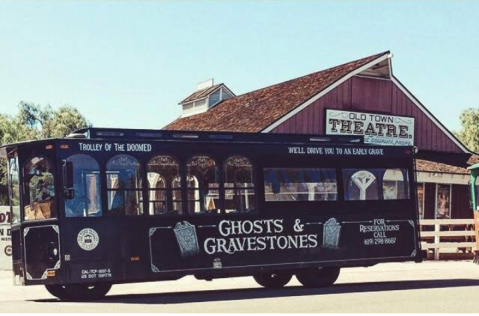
(207, 95)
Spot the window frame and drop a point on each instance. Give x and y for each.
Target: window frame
(23, 185)
(254, 187)
(168, 191)
(14, 155)
(187, 189)
(141, 191)
(380, 182)
(319, 168)
(435, 199)
(101, 174)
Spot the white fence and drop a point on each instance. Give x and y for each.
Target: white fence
(448, 234)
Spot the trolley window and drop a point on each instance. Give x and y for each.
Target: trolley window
(375, 184)
(202, 186)
(39, 189)
(124, 185)
(396, 184)
(86, 198)
(164, 186)
(300, 184)
(239, 186)
(14, 189)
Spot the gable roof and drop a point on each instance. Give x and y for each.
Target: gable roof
(256, 110)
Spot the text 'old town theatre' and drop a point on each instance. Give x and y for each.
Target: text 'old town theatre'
(361, 97)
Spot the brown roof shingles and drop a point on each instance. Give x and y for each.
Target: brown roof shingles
(432, 166)
(256, 110)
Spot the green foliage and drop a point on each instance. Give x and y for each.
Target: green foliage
(34, 122)
(469, 134)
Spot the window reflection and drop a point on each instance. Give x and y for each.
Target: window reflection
(375, 184)
(239, 187)
(395, 185)
(202, 186)
(361, 185)
(14, 189)
(164, 185)
(39, 189)
(300, 184)
(124, 186)
(86, 188)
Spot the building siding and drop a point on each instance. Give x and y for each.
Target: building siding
(369, 95)
(429, 201)
(460, 202)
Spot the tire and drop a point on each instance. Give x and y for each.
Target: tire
(58, 291)
(318, 277)
(274, 279)
(79, 292)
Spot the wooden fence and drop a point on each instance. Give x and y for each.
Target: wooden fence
(450, 234)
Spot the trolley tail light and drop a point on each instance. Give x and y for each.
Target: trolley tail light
(48, 147)
(133, 259)
(64, 146)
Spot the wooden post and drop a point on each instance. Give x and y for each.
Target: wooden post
(437, 240)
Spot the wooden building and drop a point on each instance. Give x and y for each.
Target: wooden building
(361, 97)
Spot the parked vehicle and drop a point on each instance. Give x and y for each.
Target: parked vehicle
(110, 206)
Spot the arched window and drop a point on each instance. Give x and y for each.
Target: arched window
(202, 186)
(39, 189)
(239, 187)
(361, 184)
(123, 178)
(375, 184)
(395, 184)
(86, 199)
(164, 186)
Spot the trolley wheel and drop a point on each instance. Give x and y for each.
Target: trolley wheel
(318, 277)
(273, 279)
(79, 292)
(58, 291)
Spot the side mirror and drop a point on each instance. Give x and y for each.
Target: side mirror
(67, 175)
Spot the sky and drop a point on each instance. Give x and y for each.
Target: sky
(128, 63)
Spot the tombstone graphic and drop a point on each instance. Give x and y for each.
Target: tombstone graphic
(331, 233)
(187, 240)
(217, 263)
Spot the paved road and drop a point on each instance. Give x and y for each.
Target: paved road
(392, 287)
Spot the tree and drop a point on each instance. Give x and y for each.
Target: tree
(35, 122)
(469, 133)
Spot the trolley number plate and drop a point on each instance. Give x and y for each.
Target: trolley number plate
(96, 274)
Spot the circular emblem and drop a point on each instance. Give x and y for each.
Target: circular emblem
(8, 250)
(88, 239)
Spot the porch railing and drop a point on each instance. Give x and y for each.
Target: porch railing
(442, 234)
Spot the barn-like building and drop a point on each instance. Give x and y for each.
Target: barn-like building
(361, 97)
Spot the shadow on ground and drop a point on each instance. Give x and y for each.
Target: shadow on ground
(258, 293)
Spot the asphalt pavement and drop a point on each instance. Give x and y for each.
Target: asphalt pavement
(445, 286)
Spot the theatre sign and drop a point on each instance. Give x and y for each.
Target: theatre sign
(379, 129)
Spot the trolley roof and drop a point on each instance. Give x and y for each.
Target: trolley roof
(121, 134)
